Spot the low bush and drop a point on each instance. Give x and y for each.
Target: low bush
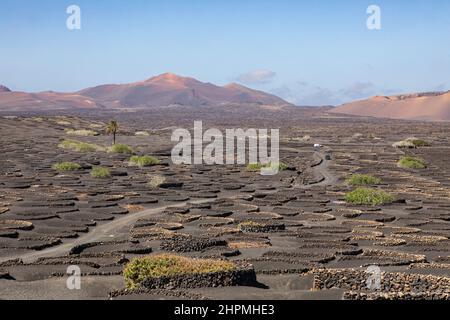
(162, 265)
(121, 148)
(281, 166)
(412, 163)
(66, 166)
(258, 166)
(100, 173)
(254, 166)
(79, 146)
(367, 196)
(144, 161)
(419, 142)
(362, 180)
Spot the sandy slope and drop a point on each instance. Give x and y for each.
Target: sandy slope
(23, 101)
(429, 106)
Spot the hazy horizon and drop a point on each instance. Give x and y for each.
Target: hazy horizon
(308, 54)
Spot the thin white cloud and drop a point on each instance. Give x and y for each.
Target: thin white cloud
(440, 87)
(359, 90)
(312, 96)
(286, 93)
(257, 77)
(320, 97)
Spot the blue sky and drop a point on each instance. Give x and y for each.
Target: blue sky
(309, 52)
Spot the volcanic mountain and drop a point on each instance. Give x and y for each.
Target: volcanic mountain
(432, 106)
(163, 90)
(170, 89)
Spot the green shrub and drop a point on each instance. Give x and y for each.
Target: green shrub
(281, 166)
(162, 265)
(121, 148)
(66, 166)
(100, 173)
(258, 166)
(362, 180)
(79, 146)
(254, 166)
(144, 161)
(419, 142)
(412, 163)
(367, 196)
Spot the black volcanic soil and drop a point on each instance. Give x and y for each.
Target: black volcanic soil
(305, 243)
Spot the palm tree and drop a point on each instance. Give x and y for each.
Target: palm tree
(112, 128)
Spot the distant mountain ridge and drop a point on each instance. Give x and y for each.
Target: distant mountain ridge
(163, 90)
(430, 106)
(169, 89)
(4, 89)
